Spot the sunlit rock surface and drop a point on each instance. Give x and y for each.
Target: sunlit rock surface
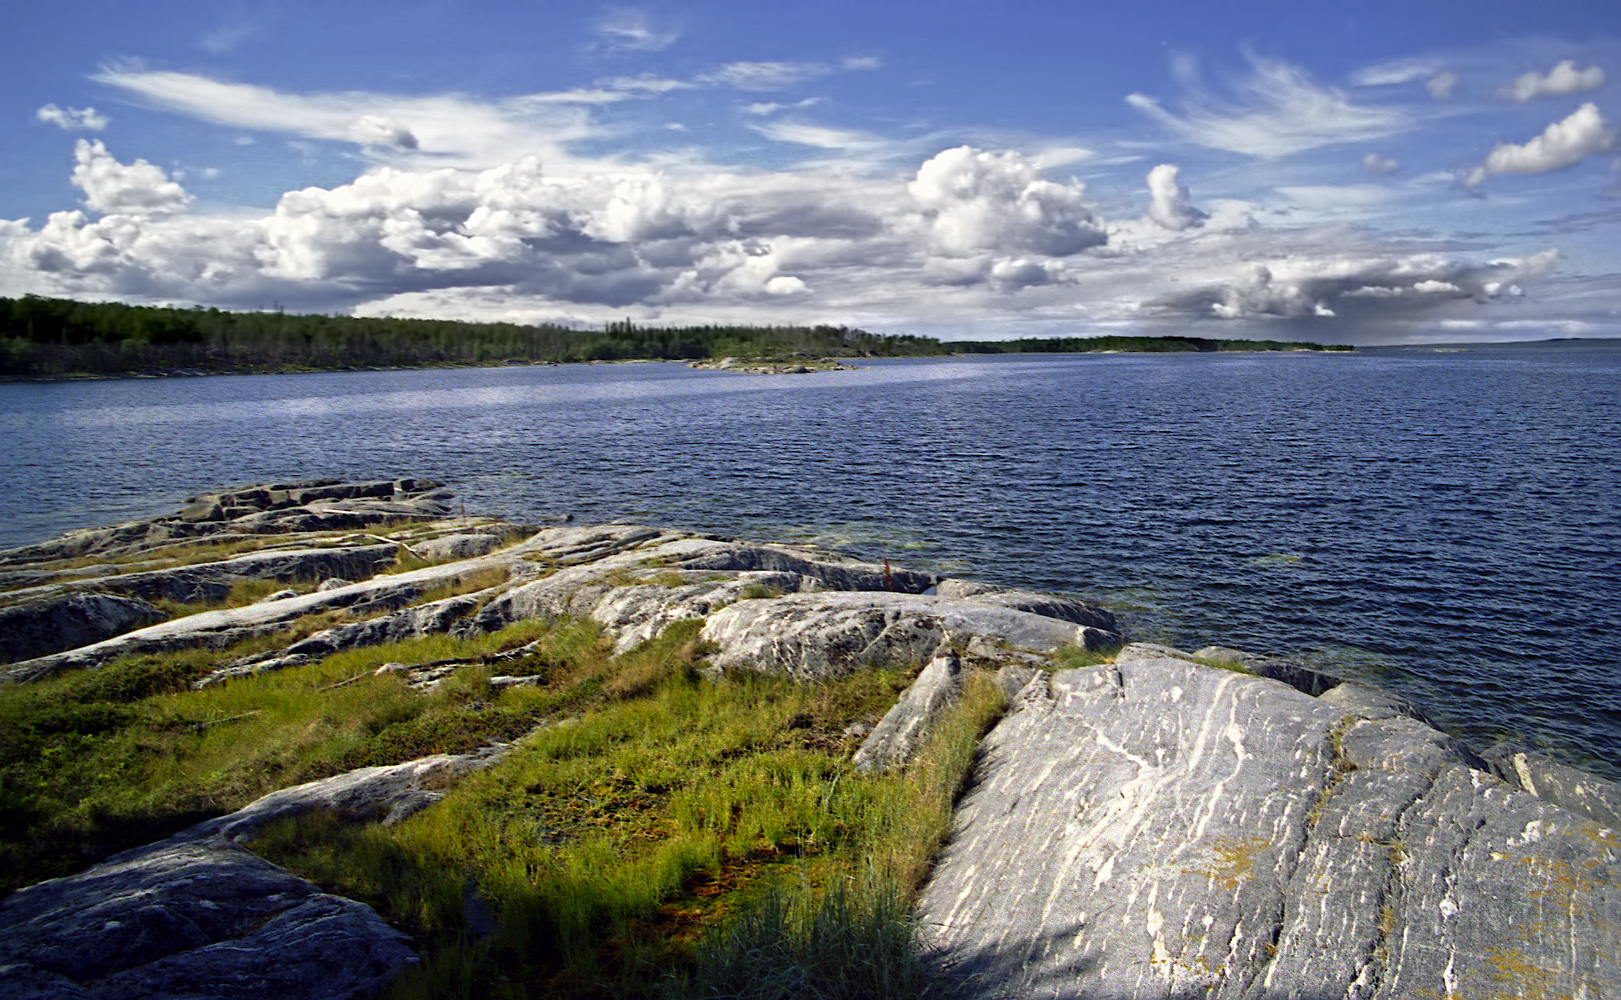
(1161, 828)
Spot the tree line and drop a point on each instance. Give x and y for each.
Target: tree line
(44, 337)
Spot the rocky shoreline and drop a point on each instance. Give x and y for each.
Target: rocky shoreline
(1158, 823)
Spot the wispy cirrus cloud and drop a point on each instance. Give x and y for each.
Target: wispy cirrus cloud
(782, 75)
(632, 30)
(820, 136)
(449, 128)
(1278, 111)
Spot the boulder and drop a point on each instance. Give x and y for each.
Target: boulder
(192, 918)
(460, 546)
(820, 635)
(53, 624)
(1162, 828)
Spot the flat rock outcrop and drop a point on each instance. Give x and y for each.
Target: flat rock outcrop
(1160, 828)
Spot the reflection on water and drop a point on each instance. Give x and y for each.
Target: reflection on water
(1443, 523)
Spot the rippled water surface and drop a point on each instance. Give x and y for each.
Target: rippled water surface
(1442, 523)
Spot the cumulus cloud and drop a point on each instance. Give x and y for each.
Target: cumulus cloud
(1373, 163)
(971, 236)
(1281, 111)
(1563, 79)
(72, 119)
(1441, 85)
(1328, 287)
(976, 201)
(114, 188)
(1563, 144)
(634, 31)
(1168, 202)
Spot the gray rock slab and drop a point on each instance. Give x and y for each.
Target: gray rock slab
(367, 793)
(192, 919)
(1160, 828)
(820, 635)
(901, 732)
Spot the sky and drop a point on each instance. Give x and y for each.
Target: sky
(1376, 173)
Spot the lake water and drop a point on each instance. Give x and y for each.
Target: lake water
(1445, 524)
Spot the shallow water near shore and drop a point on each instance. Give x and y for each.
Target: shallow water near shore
(1442, 523)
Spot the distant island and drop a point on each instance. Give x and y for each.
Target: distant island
(61, 338)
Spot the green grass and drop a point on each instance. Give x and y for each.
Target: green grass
(98, 761)
(659, 834)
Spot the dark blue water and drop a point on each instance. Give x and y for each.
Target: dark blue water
(1445, 524)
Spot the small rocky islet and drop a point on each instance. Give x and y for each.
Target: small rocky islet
(1157, 823)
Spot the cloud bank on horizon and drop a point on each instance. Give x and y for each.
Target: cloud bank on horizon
(1457, 194)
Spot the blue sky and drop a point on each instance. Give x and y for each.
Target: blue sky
(1383, 173)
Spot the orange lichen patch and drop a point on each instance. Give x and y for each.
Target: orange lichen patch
(1232, 861)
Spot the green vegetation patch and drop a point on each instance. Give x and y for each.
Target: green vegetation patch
(654, 834)
(97, 761)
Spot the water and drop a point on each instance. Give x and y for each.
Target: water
(1444, 524)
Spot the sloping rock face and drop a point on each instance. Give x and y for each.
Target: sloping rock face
(1159, 828)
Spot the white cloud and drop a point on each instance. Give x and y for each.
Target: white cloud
(378, 130)
(114, 188)
(644, 84)
(979, 201)
(1563, 144)
(765, 75)
(1441, 85)
(1058, 156)
(1168, 202)
(763, 108)
(634, 31)
(1333, 286)
(1373, 163)
(971, 238)
(1394, 73)
(818, 136)
(72, 119)
(452, 128)
(1563, 79)
(1281, 112)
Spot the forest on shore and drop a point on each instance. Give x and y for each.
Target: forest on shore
(57, 338)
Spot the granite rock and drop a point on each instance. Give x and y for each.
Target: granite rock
(1162, 828)
(64, 621)
(901, 732)
(192, 918)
